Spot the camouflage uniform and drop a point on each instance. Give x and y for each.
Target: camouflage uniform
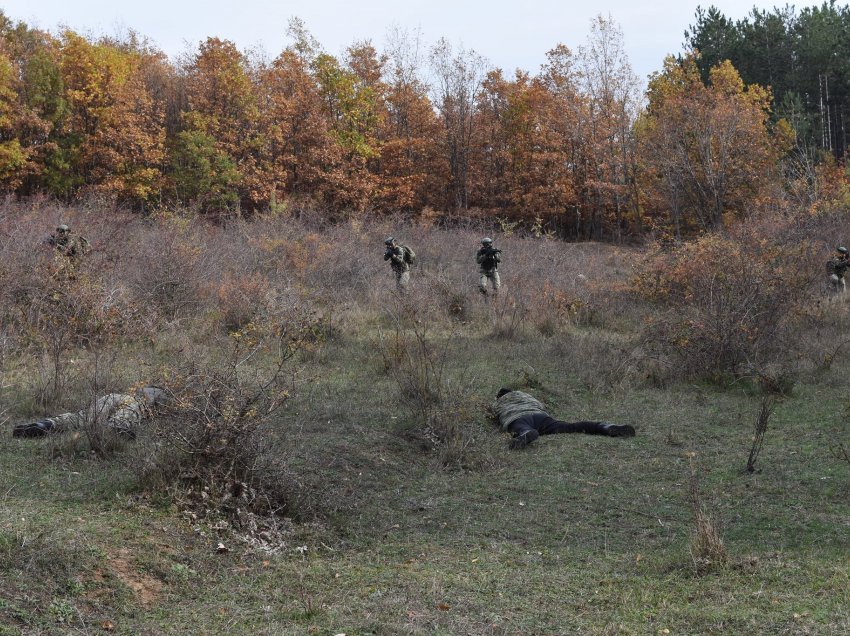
(118, 411)
(70, 248)
(401, 268)
(488, 260)
(526, 419)
(69, 244)
(837, 268)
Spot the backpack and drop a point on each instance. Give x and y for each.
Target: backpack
(409, 255)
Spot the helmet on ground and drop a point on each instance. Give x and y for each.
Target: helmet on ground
(486, 241)
(842, 250)
(62, 228)
(389, 240)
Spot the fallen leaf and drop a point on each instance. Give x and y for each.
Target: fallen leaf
(107, 625)
(443, 607)
(221, 548)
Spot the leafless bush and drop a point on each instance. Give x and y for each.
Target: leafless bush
(730, 308)
(167, 267)
(440, 406)
(509, 315)
(765, 411)
(212, 447)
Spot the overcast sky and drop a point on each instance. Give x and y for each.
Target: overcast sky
(511, 34)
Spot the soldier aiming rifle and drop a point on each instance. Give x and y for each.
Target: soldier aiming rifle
(488, 259)
(836, 268)
(401, 258)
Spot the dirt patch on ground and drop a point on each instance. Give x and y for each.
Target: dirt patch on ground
(147, 589)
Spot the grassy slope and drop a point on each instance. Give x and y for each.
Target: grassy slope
(577, 534)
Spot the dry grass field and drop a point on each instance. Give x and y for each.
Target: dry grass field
(364, 490)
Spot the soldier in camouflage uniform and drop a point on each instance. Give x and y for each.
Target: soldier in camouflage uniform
(836, 268)
(526, 419)
(488, 259)
(70, 248)
(400, 258)
(118, 411)
(69, 244)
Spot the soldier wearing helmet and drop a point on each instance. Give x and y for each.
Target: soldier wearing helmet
(401, 257)
(836, 268)
(488, 259)
(69, 244)
(70, 248)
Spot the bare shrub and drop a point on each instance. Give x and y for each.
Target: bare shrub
(730, 307)
(167, 267)
(765, 411)
(509, 313)
(441, 407)
(212, 447)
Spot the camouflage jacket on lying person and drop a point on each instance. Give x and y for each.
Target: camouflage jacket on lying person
(119, 411)
(514, 405)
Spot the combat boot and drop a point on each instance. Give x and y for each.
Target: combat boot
(33, 429)
(615, 430)
(524, 439)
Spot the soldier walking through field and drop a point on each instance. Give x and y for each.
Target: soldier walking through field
(836, 268)
(401, 257)
(526, 419)
(488, 259)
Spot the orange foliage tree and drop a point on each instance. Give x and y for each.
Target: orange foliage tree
(114, 134)
(708, 150)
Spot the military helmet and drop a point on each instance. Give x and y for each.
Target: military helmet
(486, 241)
(389, 240)
(842, 250)
(63, 228)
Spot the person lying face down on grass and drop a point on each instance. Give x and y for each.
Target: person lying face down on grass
(117, 411)
(526, 419)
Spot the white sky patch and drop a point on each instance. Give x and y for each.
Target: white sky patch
(510, 34)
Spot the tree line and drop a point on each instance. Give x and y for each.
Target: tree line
(418, 129)
(804, 57)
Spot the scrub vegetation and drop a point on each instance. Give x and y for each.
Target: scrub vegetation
(329, 465)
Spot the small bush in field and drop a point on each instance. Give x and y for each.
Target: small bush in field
(240, 298)
(211, 447)
(440, 407)
(729, 308)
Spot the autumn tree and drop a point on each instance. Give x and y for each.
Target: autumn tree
(32, 105)
(352, 103)
(611, 88)
(457, 82)
(411, 168)
(112, 141)
(708, 150)
(214, 156)
(297, 146)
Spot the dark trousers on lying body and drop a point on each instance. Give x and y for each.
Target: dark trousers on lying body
(547, 425)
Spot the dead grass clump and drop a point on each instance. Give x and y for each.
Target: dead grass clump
(708, 553)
